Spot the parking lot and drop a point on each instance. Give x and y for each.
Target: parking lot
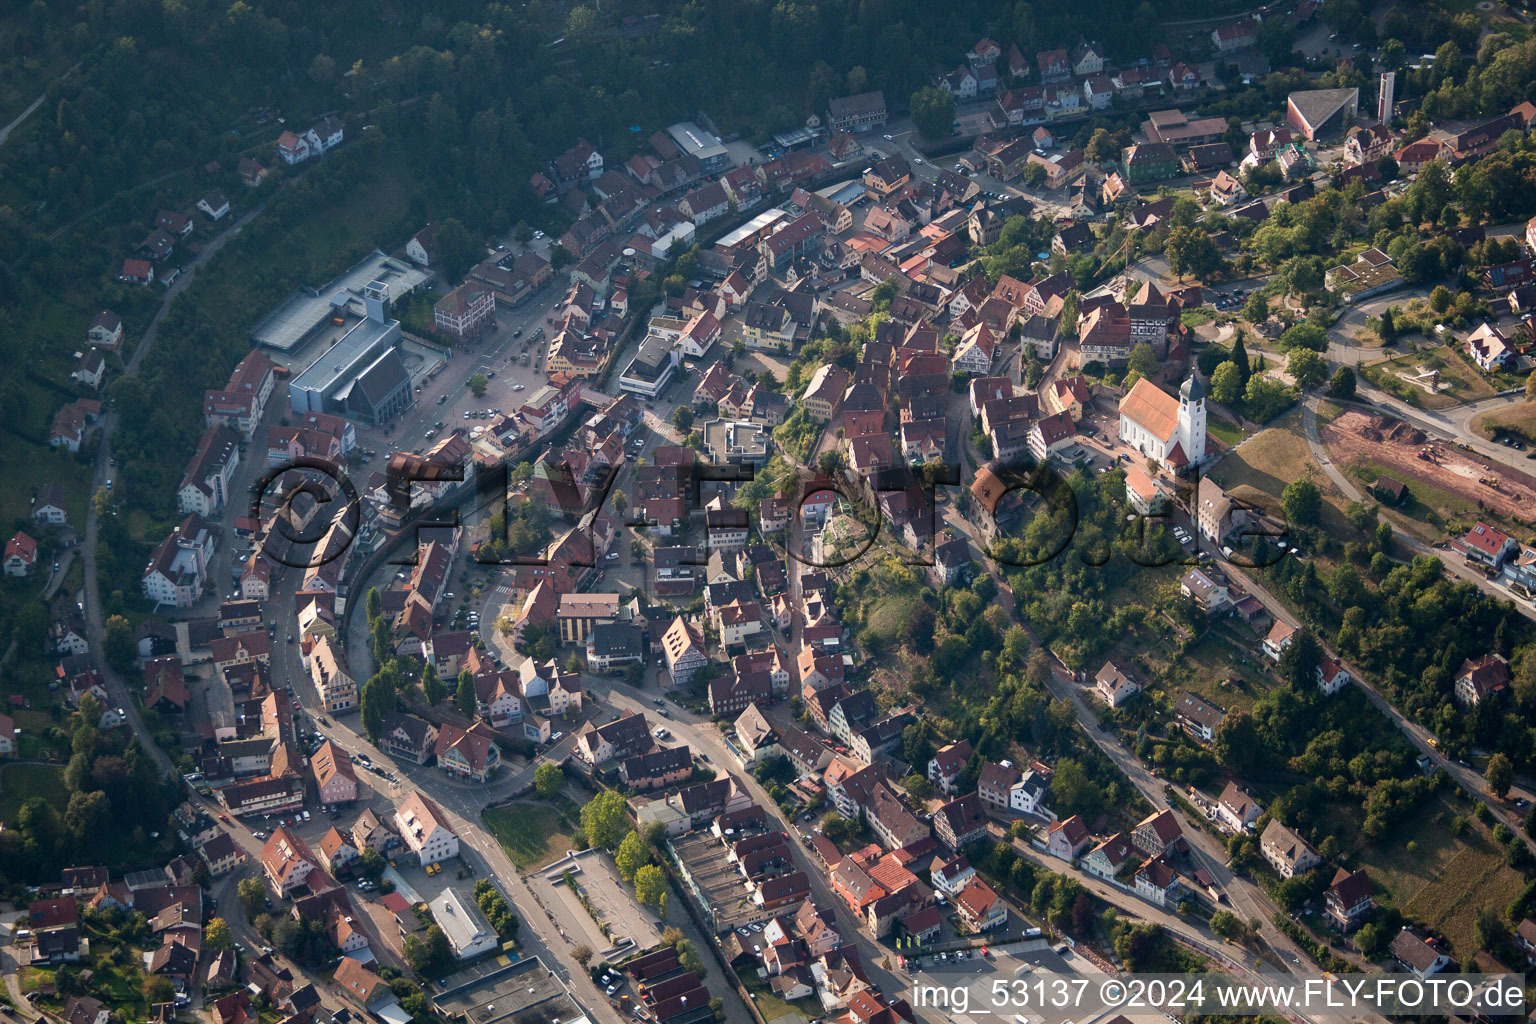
(610, 900)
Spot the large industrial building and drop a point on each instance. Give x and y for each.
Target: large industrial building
(361, 375)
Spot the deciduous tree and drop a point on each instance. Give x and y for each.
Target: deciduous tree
(1500, 774)
(1302, 502)
(933, 112)
(464, 696)
(651, 886)
(548, 780)
(1227, 383)
(1342, 385)
(632, 855)
(603, 819)
(1306, 368)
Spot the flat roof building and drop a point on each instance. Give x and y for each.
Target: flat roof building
(750, 233)
(288, 327)
(1319, 113)
(469, 933)
(360, 376)
(703, 146)
(649, 373)
(525, 992)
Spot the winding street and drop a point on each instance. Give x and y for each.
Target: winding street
(1416, 734)
(1453, 567)
(1248, 900)
(95, 620)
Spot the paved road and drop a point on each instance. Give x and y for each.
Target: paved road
(94, 618)
(5, 133)
(1248, 900)
(1454, 566)
(1417, 736)
(703, 737)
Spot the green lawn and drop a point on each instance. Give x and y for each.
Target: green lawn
(772, 1007)
(1459, 381)
(29, 466)
(21, 782)
(1431, 512)
(1224, 432)
(532, 834)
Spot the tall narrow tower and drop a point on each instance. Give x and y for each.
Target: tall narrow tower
(1192, 419)
(1386, 97)
(376, 300)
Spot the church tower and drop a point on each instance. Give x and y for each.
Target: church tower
(1192, 418)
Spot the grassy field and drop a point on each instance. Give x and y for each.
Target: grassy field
(1517, 418)
(1431, 512)
(532, 834)
(1224, 432)
(1224, 667)
(1260, 470)
(21, 782)
(1444, 880)
(1461, 383)
(29, 466)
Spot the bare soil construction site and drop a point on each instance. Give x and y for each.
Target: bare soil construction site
(1407, 454)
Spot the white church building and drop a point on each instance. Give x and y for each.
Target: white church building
(1170, 430)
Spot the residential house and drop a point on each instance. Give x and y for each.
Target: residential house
(179, 566)
(468, 753)
(1114, 685)
(1158, 833)
(1487, 545)
(980, 907)
(1157, 882)
(1198, 717)
(1348, 899)
(335, 778)
(994, 784)
(105, 331)
(1481, 678)
(621, 738)
(1108, 859)
(1286, 851)
(856, 114)
(1489, 349)
(1065, 840)
(424, 830)
(1417, 955)
(1278, 639)
(1147, 162)
(287, 860)
(961, 822)
(20, 555)
(1331, 676)
(664, 766)
(1236, 809)
(409, 737)
(952, 875)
